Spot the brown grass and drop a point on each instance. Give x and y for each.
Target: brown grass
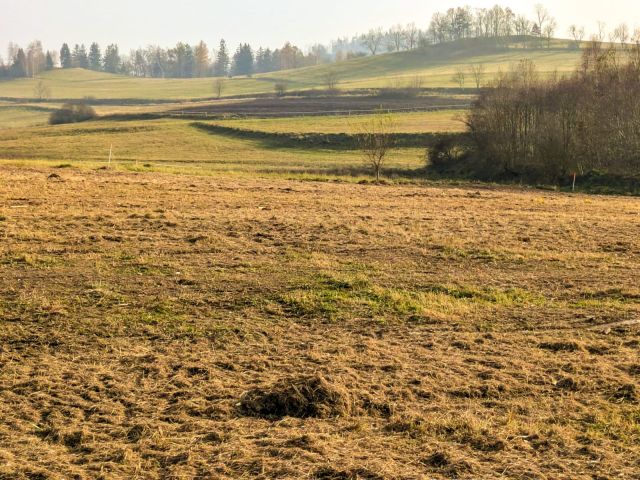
(402, 332)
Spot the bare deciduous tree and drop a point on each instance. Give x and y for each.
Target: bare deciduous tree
(218, 86)
(602, 31)
(281, 89)
(542, 16)
(42, 91)
(459, 77)
(412, 34)
(477, 72)
(330, 79)
(375, 139)
(621, 33)
(372, 40)
(549, 30)
(577, 33)
(396, 36)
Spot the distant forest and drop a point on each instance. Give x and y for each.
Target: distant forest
(187, 61)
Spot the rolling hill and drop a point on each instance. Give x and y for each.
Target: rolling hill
(434, 65)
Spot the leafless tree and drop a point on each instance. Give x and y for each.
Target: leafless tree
(412, 34)
(477, 72)
(602, 31)
(330, 79)
(281, 89)
(396, 36)
(459, 77)
(375, 140)
(549, 30)
(542, 17)
(622, 34)
(36, 60)
(577, 33)
(42, 91)
(372, 40)
(218, 86)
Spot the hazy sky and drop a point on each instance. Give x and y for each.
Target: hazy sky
(134, 23)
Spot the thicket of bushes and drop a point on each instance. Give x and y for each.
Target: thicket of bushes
(546, 129)
(72, 113)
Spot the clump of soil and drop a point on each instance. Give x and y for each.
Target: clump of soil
(567, 383)
(303, 397)
(329, 473)
(443, 463)
(626, 393)
(560, 346)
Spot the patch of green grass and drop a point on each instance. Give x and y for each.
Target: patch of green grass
(508, 297)
(620, 425)
(332, 297)
(29, 260)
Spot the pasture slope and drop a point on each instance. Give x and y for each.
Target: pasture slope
(157, 326)
(434, 65)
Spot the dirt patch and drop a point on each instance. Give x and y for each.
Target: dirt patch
(330, 473)
(444, 464)
(292, 106)
(626, 393)
(561, 346)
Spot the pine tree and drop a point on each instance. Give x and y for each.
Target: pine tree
(19, 66)
(95, 57)
(184, 60)
(65, 56)
(79, 58)
(49, 62)
(83, 58)
(243, 60)
(112, 60)
(221, 67)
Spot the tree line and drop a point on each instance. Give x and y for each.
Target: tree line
(552, 128)
(181, 61)
(184, 60)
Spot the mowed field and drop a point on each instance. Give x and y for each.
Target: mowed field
(172, 326)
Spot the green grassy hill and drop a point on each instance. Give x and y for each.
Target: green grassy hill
(434, 65)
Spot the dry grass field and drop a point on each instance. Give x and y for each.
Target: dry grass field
(156, 326)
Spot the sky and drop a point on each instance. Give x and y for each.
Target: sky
(138, 23)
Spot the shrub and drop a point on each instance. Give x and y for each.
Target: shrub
(444, 150)
(72, 113)
(280, 89)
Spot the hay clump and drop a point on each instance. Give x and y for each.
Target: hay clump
(304, 397)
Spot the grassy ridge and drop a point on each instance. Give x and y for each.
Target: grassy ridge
(435, 65)
(413, 122)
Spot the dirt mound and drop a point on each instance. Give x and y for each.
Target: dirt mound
(329, 473)
(560, 346)
(302, 397)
